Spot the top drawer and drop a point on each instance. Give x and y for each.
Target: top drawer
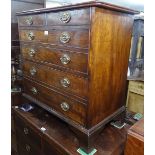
(32, 20)
(74, 17)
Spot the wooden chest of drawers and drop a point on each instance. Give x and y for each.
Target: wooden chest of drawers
(58, 139)
(75, 61)
(135, 139)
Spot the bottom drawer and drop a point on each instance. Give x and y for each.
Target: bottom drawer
(57, 101)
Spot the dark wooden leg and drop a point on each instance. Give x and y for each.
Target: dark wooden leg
(86, 140)
(87, 137)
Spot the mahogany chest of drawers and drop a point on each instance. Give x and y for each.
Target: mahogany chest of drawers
(75, 61)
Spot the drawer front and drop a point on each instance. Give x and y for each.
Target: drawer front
(74, 17)
(33, 36)
(32, 20)
(69, 38)
(25, 147)
(52, 57)
(59, 102)
(55, 78)
(27, 132)
(49, 149)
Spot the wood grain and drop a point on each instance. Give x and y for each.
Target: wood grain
(32, 136)
(106, 37)
(48, 76)
(38, 20)
(77, 111)
(78, 38)
(78, 17)
(59, 139)
(108, 62)
(103, 5)
(135, 139)
(51, 57)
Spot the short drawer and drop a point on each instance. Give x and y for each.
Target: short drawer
(57, 79)
(70, 17)
(27, 132)
(32, 20)
(33, 36)
(63, 37)
(59, 102)
(63, 58)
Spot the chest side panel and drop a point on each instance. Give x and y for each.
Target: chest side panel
(108, 62)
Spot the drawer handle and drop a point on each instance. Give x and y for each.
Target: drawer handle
(26, 131)
(31, 36)
(28, 148)
(33, 71)
(32, 52)
(34, 90)
(29, 20)
(65, 17)
(65, 82)
(65, 59)
(64, 106)
(64, 37)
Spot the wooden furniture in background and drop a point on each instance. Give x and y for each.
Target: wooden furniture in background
(57, 138)
(135, 97)
(135, 139)
(136, 61)
(75, 61)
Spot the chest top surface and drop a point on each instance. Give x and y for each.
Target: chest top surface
(81, 5)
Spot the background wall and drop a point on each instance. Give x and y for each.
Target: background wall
(21, 5)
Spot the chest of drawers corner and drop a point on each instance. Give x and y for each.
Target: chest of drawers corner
(75, 61)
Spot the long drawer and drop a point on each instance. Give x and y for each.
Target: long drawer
(58, 102)
(63, 37)
(70, 17)
(77, 61)
(58, 79)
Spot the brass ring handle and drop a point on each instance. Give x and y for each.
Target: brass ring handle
(32, 52)
(64, 37)
(64, 106)
(29, 20)
(28, 148)
(34, 90)
(65, 17)
(65, 59)
(26, 131)
(33, 71)
(65, 82)
(31, 36)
